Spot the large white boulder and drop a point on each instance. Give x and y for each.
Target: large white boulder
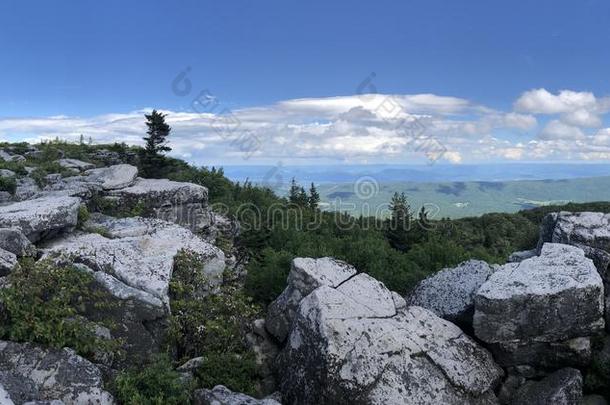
(306, 274)
(547, 300)
(75, 164)
(113, 177)
(450, 292)
(357, 342)
(41, 217)
(30, 372)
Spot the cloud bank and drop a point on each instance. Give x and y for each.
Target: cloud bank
(367, 128)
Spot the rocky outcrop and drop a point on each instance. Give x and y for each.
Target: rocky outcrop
(265, 351)
(354, 341)
(305, 275)
(450, 292)
(133, 259)
(221, 395)
(541, 310)
(181, 203)
(32, 373)
(520, 256)
(42, 217)
(563, 387)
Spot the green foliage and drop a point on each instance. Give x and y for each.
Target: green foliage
(236, 371)
(17, 167)
(8, 184)
(153, 384)
(45, 303)
(212, 326)
(83, 215)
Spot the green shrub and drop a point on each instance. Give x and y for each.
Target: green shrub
(45, 303)
(213, 326)
(16, 167)
(8, 184)
(152, 384)
(236, 371)
(83, 215)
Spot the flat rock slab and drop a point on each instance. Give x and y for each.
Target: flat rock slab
(75, 164)
(173, 201)
(221, 395)
(30, 372)
(41, 217)
(556, 296)
(113, 177)
(138, 251)
(450, 292)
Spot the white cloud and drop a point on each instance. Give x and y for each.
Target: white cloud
(373, 128)
(558, 130)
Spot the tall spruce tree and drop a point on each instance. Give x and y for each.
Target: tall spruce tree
(314, 197)
(152, 158)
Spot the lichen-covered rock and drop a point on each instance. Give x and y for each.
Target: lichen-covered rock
(27, 189)
(590, 231)
(75, 164)
(221, 395)
(265, 351)
(450, 292)
(351, 344)
(32, 373)
(563, 387)
(544, 300)
(14, 241)
(41, 217)
(7, 173)
(305, 275)
(178, 202)
(8, 261)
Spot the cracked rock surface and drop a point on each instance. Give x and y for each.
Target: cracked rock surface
(356, 342)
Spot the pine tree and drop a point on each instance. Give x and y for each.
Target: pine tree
(400, 222)
(152, 158)
(293, 194)
(314, 197)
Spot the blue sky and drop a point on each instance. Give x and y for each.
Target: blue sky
(97, 63)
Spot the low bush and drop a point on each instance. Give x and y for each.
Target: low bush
(45, 303)
(8, 184)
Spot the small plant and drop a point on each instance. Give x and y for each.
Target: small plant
(46, 303)
(236, 371)
(8, 184)
(83, 215)
(155, 384)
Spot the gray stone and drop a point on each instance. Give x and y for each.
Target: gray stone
(8, 261)
(7, 173)
(7, 157)
(41, 217)
(517, 257)
(305, 275)
(351, 344)
(75, 164)
(221, 395)
(563, 387)
(26, 189)
(533, 310)
(182, 203)
(556, 296)
(33, 373)
(450, 292)
(265, 351)
(113, 177)
(593, 399)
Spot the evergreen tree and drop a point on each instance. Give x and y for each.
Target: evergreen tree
(314, 197)
(293, 194)
(152, 159)
(398, 231)
(302, 199)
